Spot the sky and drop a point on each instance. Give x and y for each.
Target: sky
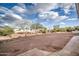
(47, 14)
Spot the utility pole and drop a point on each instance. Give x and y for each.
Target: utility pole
(77, 8)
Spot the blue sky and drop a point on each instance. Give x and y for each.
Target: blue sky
(47, 14)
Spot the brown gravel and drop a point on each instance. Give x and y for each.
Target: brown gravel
(47, 42)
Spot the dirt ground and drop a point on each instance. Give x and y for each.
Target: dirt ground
(48, 42)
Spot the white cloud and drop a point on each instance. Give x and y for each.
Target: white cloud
(10, 18)
(46, 6)
(6, 24)
(43, 15)
(66, 10)
(72, 19)
(51, 15)
(60, 18)
(43, 9)
(5, 10)
(15, 16)
(66, 6)
(18, 9)
(21, 5)
(62, 23)
(48, 15)
(2, 15)
(9, 14)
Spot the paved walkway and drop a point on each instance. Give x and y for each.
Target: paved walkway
(35, 52)
(71, 49)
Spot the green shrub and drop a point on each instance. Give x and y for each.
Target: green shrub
(69, 29)
(6, 31)
(76, 28)
(65, 29)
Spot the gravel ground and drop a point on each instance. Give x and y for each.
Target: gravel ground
(48, 42)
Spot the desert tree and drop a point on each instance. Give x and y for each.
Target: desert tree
(38, 26)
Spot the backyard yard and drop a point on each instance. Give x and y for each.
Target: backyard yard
(50, 42)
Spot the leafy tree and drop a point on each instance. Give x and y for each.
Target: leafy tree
(56, 28)
(38, 26)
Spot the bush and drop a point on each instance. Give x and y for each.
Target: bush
(43, 31)
(69, 29)
(58, 30)
(76, 28)
(65, 29)
(6, 31)
(1, 32)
